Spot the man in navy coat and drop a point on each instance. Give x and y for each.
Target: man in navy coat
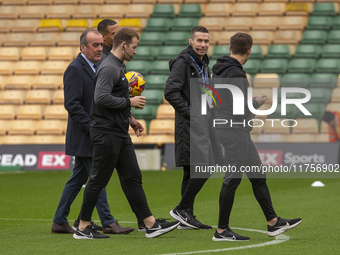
(78, 94)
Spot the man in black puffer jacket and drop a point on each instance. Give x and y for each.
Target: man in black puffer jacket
(239, 149)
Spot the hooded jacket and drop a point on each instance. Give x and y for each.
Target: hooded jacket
(230, 71)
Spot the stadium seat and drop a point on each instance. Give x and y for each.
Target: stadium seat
(55, 112)
(151, 38)
(212, 23)
(29, 112)
(25, 26)
(323, 128)
(316, 109)
(32, 12)
(60, 53)
(107, 11)
(9, 12)
(298, 9)
(33, 53)
(245, 9)
(7, 112)
(5, 26)
(258, 91)
(335, 98)
(266, 80)
(292, 37)
(275, 127)
(162, 127)
(217, 10)
(54, 67)
(44, 39)
(76, 25)
(301, 65)
(323, 9)
(7, 67)
(148, 113)
(141, 66)
(262, 37)
(16, 139)
(143, 123)
(85, 11)
(9, 54)
(50, 25)
(314, 37)
(3, 129)
(46, 139)
(274, 66)
(158, 24)
(256, 52)
(2, 82)
(336, 22)
(293, 23)
(238, 23)
(332, 107)
(19, 82)
(265, 23)
(177, 38)
(41, 2)
(320, 23)
(21, 127)
(37, 96)
(71, 2)
(134, 23)
(170, 52)
(190, 10)
(68, 39)
(139, 11)
(272, 9)
(306, 126)
(17, 39)
(153, 96)
(160, 67)
(329, 65)
(58, 96)
(252, 66)
(184, 24)
(278, 51)
(47, 82)
(322, 138)
(333, 37)
(12, 97)
(323, 80)
(158, 139)
(165, 111)
(27, 68)
(272, 138)
(146, 53)
(60, 11)
(301, 138)
(220, 50)
(163, 11)
(156, 81)
(308, 51)
(117, 1)
(50, 127)
(14, 2)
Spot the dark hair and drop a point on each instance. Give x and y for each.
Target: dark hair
(198, 29)
(328, 116)
(83, 36)
(102, 26)
(124, 34)
(240, 43)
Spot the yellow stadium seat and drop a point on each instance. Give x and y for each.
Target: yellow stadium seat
(272, 9)
(298, 9)
(6, 67)
(27, 68)
(261, 37)
(32, 12)
(50, 127)
(272, 138)
(223, 38)
(135, 23)
(7, 112)
(38, 96)
(21, 127)
(238, 23)
(145, 1)
(162, 127)
(245, 9)
(50, 25)
(158, 139)
(25, 26)
(43, 2)
(69, 39)
(333, 107)
(137, 140)
(170, 1)
(265, 23)
(13, 2)
(17, 39)
(322, 138)
(112, 11)
(19, 82)
(76, 25)
(249, 1)
(275, 127)
(34, 53)
(276, 1)
(301, 138)
(139, 11)
(9, 53)
(323, 128)
(47, 139)
(16, 139)
(82, 2)
(60, 11)
(218, 10)
(287, 37)
(54, 67)
(12, 97)
(85, 11)
(73, 2)
(56, 112)
(60, 53)
(143, 123)
(5, 26)
(47, 82)
(213, 24)
(44, 39)
(58, 97)
(306, 126)
(165, 111)
(2, 82)
(29, 112)
(266, 80)
(3, 128)
(293, 23)
(338, 83)
(335, 95)
(9, 12)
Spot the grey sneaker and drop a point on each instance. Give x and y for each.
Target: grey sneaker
(229, 235)
(282, 225)
(88, 233)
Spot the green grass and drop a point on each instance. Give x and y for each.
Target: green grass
(29, 199)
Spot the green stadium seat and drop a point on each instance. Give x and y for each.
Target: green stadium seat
(256, 52)
(145, 53)
(314, 37)
(336, 22)
(323, 80)
(160, 67)
(294, 80)
(330, 51)
(301, 65)
(140, 66)
(176, 38)
(190, 10)
(153, 96)
(220, 50)
(212, 62)
(320, 95)
(148, 113)
(169, 52)
(151, 38)
(163, 11)
(308, 51)
(184, 24)
(278, 51)
(320, 23)
(323, 9)
(329, 65)
(290, 112)
(158, 24)
(316, 109)
(334, 37)
(155, 81)
(274, 66)
(252, 66)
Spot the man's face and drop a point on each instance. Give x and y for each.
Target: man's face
(93, 50)
(200, 43)
(108, 37)
(131, 49)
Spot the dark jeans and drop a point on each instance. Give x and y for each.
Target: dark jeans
(240, 151)
(109, 152)
(80, 174)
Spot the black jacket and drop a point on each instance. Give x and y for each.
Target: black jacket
(177, 93)
(230, 71)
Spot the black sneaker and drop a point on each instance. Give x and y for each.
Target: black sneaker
(184, 227)
(282, 225)
(160, 227)
(229, 235)
(88, 233)
(201, 225)
(141, 227)
(185, 217)
(96, 227)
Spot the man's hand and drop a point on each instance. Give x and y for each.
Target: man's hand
(136, 126)
(138, 102)
(261, 99)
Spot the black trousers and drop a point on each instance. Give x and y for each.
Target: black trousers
(109, 152)
(240, 151)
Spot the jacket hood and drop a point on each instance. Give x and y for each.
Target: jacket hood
(224, 63)
(186, 55)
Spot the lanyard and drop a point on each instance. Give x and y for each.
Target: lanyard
(204, 74)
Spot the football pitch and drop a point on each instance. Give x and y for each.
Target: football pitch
(29, 200)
